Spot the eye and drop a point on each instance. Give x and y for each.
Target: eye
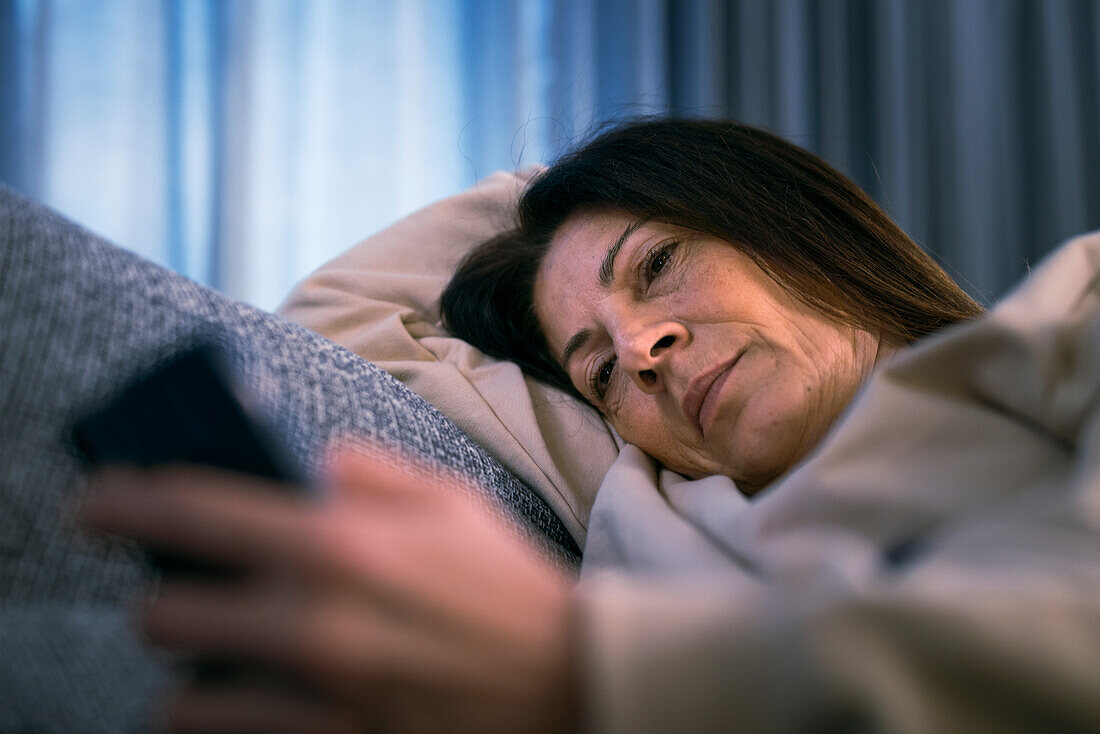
(658, 259)
(601, 377)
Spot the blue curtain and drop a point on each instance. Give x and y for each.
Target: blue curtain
(243, 142)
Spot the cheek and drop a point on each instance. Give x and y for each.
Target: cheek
(766, 437)
(640, 423)
(765, 426)
(644, 426)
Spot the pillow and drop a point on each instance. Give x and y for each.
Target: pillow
(78, 317)
(380, 299)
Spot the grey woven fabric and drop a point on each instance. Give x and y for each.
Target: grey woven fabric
(78, 317)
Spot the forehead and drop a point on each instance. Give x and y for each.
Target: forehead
(567, 284)
(586, 236)
(583, 242)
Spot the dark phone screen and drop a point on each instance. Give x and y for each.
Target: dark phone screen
(187, 410)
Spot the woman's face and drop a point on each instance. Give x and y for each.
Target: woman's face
(690, 350)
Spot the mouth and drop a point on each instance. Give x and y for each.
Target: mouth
(702, 389)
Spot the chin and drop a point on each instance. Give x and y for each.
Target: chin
(763, 468)
(695, 473)
(700, 466)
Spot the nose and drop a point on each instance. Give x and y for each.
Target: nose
(645, 354)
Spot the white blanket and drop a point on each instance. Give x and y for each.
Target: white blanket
(935, 566)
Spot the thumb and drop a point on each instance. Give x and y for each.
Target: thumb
(372, 474)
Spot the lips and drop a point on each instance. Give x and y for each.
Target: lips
(700, 390)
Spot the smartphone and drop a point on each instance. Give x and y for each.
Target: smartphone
(191, 409)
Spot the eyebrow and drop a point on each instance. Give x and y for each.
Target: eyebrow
(575, 343)
(606, 275)
(607, 267)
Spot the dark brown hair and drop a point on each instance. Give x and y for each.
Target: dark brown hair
(809, 227)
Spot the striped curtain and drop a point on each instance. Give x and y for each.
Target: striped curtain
(243, 142)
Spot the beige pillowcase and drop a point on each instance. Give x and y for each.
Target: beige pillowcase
(380, 299)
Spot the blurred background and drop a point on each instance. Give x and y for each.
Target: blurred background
(244, 142)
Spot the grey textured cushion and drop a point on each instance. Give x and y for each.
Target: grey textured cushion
(78, 316)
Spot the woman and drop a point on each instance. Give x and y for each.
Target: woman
(730, 245)
(721, 296)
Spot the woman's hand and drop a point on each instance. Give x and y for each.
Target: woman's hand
(392, 604)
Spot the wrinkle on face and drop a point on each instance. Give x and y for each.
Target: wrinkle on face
(797, 370)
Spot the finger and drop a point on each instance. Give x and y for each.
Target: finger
(254, 709)
(238, 621)
(368, 473)
(209, 515)
(337, 643)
